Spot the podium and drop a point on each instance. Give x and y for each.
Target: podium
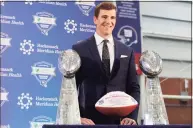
(117, 126)
(80, 126)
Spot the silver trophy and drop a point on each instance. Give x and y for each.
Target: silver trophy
(68, 109)
(155, 110)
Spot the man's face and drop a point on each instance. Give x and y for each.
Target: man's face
(105, 22)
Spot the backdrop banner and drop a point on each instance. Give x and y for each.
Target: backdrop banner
(33, 34)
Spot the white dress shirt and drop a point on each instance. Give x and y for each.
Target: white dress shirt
(110, 44)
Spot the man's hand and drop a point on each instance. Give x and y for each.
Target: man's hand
(86, 121)
(128, 121)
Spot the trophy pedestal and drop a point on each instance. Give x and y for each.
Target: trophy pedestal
(155, 112)
(68, 112)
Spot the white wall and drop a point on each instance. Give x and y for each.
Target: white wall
(166, 29)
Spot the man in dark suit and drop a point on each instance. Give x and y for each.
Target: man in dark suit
(106, 65)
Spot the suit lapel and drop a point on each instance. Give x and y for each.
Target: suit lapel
(94, 52)
(116, 64)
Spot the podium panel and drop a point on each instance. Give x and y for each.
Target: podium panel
(117, 126)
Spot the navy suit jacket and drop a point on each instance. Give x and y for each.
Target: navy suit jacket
(93, 83)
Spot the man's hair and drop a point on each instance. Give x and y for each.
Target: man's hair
(104, 6)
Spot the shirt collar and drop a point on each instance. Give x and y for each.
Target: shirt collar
(99, 39)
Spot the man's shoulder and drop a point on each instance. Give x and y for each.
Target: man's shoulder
(123, 46)
(83, 42)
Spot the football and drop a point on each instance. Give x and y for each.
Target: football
(116, 103)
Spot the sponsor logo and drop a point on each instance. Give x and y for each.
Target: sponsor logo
(46, 101)
(38, 122)
(71, 27)
(27, 47)
(64, 4)
(5, 42)
(5, 19)
(85, 6)
(4, 95)
(43, 72)
(8, 72)
(44, 48)
(48, 2)
(24, 101)
(44, 21)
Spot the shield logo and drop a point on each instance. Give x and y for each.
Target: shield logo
(43, 72)
(5, 42)
(4, 95)
(44, 21)
(85, 7)
(39, 121)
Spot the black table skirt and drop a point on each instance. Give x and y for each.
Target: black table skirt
(117, 126)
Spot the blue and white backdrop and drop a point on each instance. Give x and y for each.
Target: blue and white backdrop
(32, 36)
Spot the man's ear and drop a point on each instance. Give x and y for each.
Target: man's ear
(95, 20)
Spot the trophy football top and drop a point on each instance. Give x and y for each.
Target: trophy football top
(69, 62)
(150, 63)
